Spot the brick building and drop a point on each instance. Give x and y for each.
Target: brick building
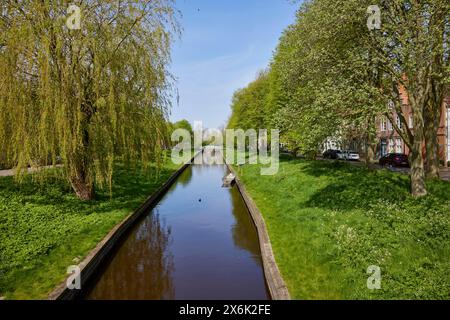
(391, 142)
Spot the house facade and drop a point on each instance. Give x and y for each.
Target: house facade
(389, 141)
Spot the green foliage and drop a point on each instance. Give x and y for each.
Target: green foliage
(337, 220)
(317, 81)
(86, 96)
(331, 76)
(44, 228)
(182, 124)
(249, 106)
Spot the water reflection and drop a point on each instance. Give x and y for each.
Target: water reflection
(149, 277)
(185, 178)
(244, 231)
(199, 243)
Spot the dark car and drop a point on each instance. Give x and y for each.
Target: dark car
(394, 160)
(331, 154)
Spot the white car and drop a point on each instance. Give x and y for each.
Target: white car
(349, 155)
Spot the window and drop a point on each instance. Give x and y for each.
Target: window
(383, 124)
(411, 121)
(390, 126)
(384, 149)
(398, 145)
(391, 146)
(399, 122)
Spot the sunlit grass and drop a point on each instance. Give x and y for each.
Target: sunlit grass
(45, 228)
(328, 222)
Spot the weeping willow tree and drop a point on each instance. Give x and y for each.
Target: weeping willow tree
(88, 96)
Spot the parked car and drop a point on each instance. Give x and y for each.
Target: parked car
(349, 155)
(394, 160)
(331, 154)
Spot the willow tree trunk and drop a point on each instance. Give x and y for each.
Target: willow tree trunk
(79, 176)
(83, 188)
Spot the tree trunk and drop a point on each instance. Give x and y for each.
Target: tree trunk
(371, 143)
(370, 154)
(418, 186)
(432, 118)
(83, 188)
(80, 180)
(431, 143)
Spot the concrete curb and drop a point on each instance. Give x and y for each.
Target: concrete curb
(277, 287)
(98, 255)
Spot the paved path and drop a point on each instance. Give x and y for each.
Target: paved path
(444, 173)
(8, 173)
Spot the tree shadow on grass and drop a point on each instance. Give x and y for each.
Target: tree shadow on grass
(44, 225)
(129, 188)
(349, 187)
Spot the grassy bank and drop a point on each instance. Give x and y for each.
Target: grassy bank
(328, 222)
(44, 228)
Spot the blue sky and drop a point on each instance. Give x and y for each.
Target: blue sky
(223, 46)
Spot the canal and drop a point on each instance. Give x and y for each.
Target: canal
(199, 242)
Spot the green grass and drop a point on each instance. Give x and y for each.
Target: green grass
(44, 228)
(328, 222)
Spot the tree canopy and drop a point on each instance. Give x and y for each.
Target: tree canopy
(331, 75)
(87, 96)
(182, 124)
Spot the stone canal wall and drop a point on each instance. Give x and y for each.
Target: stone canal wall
(277, 287)
(97, 256)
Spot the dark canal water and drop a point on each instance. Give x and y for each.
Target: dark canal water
(199, 242)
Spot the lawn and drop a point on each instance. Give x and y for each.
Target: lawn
(329, 221)
(44, 228)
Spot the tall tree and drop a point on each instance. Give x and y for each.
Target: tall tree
(407, 49)
(327, 73)
(336, 77)
(440, 80)
(250, 105)
(183, 124)
(87, 96)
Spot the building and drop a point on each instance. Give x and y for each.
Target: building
(332, 143)
(389, 141)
